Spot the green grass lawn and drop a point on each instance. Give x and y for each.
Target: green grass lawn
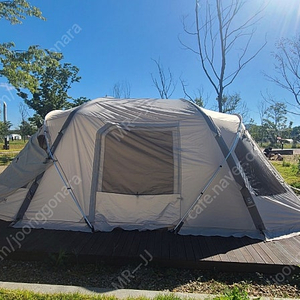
(234, 294)
(289, 170)
(16, 145)
(6, 156)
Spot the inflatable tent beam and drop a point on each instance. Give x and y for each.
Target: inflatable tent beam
(248, 199)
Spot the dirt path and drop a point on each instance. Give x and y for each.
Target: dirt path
(296, 151)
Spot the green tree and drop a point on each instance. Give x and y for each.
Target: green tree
(37, 74)
(199, 101)
(275, 121)
(77, 102)
(41, 79)
(23, 68)
(15, 11)
(4, 129)
(36, 121)
(295, 134)
(26, 129)
(233, 104)
(198, 98)
(52, 92)
(255, 132)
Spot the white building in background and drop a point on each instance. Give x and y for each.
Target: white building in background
(15, 136)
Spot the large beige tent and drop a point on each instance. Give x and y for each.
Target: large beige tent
(147, 164)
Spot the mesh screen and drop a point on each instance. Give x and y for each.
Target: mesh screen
(139, 162)
(257, 169)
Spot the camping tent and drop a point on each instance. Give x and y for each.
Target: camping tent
(147, 164)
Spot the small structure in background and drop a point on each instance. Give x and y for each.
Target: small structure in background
(15, 136)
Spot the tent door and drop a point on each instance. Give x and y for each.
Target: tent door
(136, 175)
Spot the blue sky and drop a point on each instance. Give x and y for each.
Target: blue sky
(115, 41)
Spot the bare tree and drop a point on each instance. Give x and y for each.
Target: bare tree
(287, 66)
(165, 84)
(198, 98)
(121, 89)
(218, 34)
(262, 110)
(271, 100)
(23, 110)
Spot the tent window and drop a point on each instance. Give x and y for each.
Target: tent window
(140, 162)
(259, 174)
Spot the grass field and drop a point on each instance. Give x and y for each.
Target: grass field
(6, 156)
(16, 145)
(289, 169)
(232, 294)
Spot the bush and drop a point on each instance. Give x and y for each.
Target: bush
(286, 163)
(234, 294)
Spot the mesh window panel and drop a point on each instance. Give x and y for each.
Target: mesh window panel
(139, 163)
(257, 169)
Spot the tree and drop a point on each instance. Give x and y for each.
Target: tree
(262, 108)
(121, 89)
(295, 134)
(255, 132)
(287, 66)
(36, 121)
(24, 114)
(15, 11)
(165, 84)
(233, 104)
(199, 101)
(40, 79)
(23, 68)
(52, 92)
(26, 129)
(77, 102)
(4, 128)
(198, 98)
(221, 37)
(23, 111)
(275, 120)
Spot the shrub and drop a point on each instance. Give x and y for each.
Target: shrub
(234, 294)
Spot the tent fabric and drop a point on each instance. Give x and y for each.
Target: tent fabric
(142, 164)
(24, 168)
